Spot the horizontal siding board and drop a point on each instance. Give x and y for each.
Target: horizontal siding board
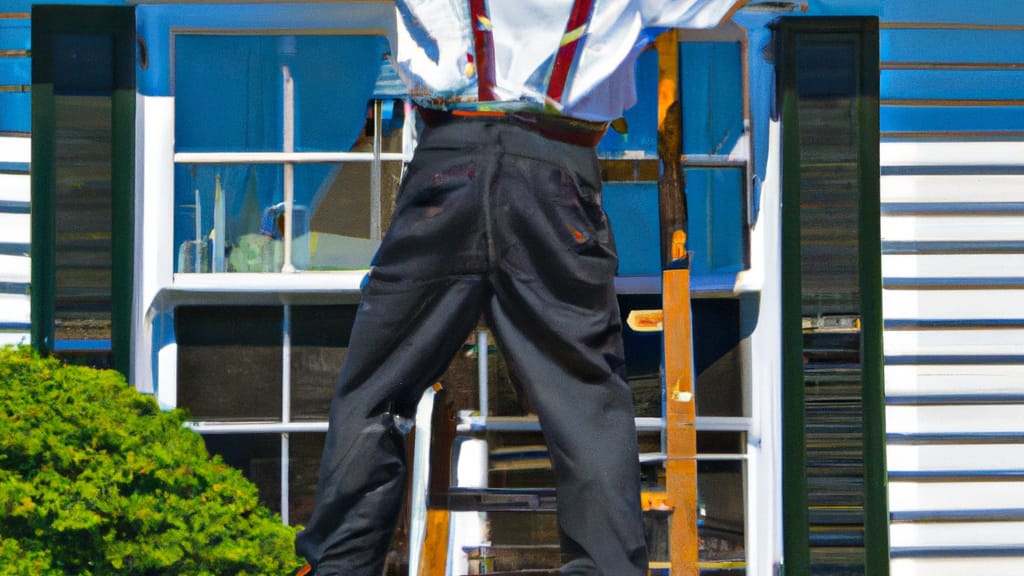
(15, 149)
(956, 566)
(952, 84)
(15, 337)
(14, 228)
(957, 458)
(15, 112)
(946, 380)
(978, 188)
(957, 534)
(15, 71)
(15, 188)
(952, 265)
(959, 228)
(951, 45)
(16, 269)
(950, 342)
(14, 308)
(952, 153)
(953, 304)
(894, 119)
(954, 419)
(955, 496)
(15, 33)
(953, 11)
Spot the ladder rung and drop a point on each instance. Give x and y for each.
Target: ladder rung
(494, 500)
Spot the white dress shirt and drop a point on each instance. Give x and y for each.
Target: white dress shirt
(437, 59)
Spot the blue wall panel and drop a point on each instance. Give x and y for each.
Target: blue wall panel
(943, 45)
(953, 11)
(953, 84)
(632, 208)
(15, 111)
(955, 119)
(15, 34)
(16, 70)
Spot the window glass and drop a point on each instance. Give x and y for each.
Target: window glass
(229, 361)
(712, 96)
(234, 102)
(258, 457)
(319, 340)
(716, 208)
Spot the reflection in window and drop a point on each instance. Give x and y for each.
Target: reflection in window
(323, 202)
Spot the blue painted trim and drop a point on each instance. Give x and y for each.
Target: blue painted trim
(953, 208)
(15, 327)
(955, 400)
(958, 552)
(955, 170)
(17, 288)
(970, 324)
(14, 207)
(14, 249)
(156, 25)
(14, 167)
(84, 2)
(954, 360)
(954, 438)
(81, 345)
(953, 247)
(945, 283)
(956, 475)
(989, 515)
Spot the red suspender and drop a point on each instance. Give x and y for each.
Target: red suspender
(568, 48)
(483, 42)
(484, 47)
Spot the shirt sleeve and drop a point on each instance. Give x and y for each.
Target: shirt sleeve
(686, 13)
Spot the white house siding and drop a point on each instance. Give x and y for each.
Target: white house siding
(952, 192)
(15, 232)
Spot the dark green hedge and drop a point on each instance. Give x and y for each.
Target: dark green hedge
(96, 479)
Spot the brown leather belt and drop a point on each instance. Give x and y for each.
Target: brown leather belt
(560, 128)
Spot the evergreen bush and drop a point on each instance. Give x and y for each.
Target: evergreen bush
(96, 479)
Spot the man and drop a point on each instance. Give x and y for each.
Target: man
(500, 213)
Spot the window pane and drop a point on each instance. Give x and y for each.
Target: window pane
(304, 452)
(82, 222)
(319, 337)
(234, 100)
(330, 217)
(258, 456)
(717, 356)
(712, 96)
(720, 511)
(229, 361)
(717, 225)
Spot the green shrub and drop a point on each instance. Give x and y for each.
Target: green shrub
(96, 479)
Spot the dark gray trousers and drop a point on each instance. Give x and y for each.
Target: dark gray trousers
(492, 218)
